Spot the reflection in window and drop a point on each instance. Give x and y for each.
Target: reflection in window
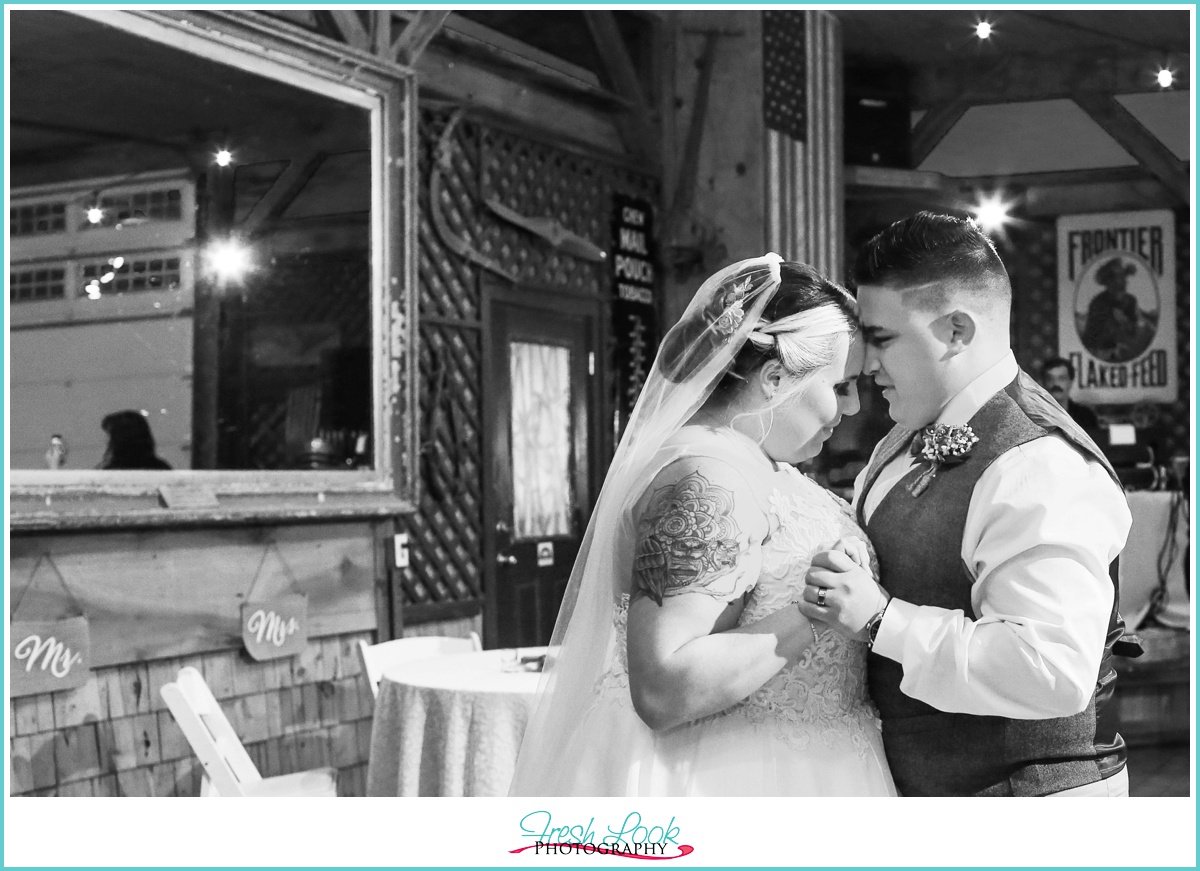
(230, 306)
(30, 284)
(541, 439)
(39, 218)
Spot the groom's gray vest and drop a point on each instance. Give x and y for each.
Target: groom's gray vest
(918, 540)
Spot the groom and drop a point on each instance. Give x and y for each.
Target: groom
(992, 625)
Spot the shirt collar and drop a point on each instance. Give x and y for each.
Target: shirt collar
(964, 404)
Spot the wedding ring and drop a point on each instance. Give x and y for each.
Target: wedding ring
(821, 597)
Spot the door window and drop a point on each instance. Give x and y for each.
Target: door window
(541, 439)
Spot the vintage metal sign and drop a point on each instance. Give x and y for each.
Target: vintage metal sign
(1116, 305)
(633, 308)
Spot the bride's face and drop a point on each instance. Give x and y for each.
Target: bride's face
(802, 423)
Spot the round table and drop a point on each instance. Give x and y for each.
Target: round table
(450, 725)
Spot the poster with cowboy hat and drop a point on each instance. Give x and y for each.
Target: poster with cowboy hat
(1116, 305)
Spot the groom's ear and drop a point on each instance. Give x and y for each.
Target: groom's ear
(962, 330)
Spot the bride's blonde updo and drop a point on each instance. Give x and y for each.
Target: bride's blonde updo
(799, 327)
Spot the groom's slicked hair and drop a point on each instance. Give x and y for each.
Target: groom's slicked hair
(945, 256)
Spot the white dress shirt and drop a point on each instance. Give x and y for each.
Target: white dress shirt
(1043, 524)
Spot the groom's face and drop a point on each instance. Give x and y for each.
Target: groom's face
(904, 354)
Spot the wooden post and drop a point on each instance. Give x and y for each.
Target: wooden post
(215, 216)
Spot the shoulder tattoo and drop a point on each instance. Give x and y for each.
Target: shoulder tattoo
(687, 538)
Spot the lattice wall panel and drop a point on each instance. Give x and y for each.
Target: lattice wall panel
(315, 288)
(449, 288)
(540, 181)
(447, 552)
(534, 179)
(1032, 262)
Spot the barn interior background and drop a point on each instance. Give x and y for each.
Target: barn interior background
(437, 201)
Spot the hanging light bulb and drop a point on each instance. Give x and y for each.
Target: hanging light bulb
(92, 289)
(228, 259)
(983, 30)
(95, 214)
(1165, 78)
(116, 262)
(992, 213)
(224, 157)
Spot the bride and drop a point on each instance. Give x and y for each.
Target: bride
(683, 666)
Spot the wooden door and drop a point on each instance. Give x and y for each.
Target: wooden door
(540, 409)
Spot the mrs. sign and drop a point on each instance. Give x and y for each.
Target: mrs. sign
(275, 628)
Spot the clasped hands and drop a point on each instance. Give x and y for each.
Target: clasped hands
(840, 591)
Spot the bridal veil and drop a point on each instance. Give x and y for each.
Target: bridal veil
(692, 359)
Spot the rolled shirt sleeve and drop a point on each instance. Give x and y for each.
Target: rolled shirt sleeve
(1043, 526)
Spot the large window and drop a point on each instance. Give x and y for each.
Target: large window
(210, 272)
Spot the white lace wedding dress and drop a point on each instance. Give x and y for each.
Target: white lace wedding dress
(810, 730)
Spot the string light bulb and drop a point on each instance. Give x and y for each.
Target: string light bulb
(224, 157)
(983, 29)
(95, 214)
(1165, 78)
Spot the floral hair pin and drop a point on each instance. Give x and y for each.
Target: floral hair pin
(732, 313)
(941, 445)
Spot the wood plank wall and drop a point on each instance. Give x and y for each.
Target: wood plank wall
(115, 737)
(155, 593)
(160, 600)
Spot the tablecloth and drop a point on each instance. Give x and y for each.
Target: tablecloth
(450, 725)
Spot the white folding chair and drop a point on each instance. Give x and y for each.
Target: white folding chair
(376, 657)
(228, 769)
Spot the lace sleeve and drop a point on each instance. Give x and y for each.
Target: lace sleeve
(699, 530)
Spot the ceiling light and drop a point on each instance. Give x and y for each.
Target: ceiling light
(992, 213)
(983, 30)
(229, 260)
(1165, 78)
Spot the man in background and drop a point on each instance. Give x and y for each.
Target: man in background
(1058, 377)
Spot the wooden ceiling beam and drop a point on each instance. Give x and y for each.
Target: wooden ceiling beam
(642, 135)
(933, 127)
(283, 192)
(1025, 78)
(353, 31)
(1129, 133)
(417, 34)
(381, 33)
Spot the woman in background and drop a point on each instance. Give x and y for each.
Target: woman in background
(130, 442)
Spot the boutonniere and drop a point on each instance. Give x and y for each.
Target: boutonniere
(941, 445)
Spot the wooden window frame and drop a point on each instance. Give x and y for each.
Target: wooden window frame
(42, 500)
